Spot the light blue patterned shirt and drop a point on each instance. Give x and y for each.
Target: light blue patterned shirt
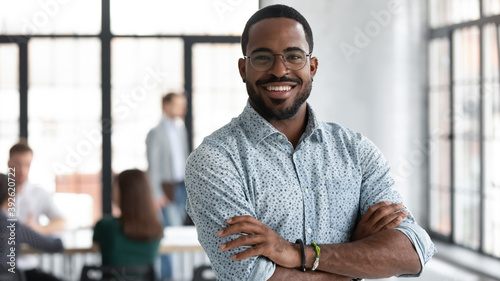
(317, 192)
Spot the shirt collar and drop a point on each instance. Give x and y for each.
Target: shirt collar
(257, 128)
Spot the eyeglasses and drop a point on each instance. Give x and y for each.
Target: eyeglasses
(293, 60)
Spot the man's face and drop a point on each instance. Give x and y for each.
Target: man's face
(21, 162)
(176, 108)
(279, 92)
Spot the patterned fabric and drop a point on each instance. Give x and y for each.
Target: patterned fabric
(23, 235)
(316, 192)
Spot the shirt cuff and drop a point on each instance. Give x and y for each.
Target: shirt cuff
(263, 269)
(422, 243)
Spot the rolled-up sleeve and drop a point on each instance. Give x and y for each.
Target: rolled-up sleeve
(421, 241)
(216, 192)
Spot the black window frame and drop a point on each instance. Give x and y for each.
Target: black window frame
(447, 32)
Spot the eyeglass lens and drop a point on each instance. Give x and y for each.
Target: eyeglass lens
(294, 60)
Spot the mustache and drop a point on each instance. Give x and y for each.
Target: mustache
(273, 79)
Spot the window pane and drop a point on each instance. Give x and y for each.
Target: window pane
(466, 127)
(491, 7)
(218, 94)
(192, 17)
(50, 17)
(440, 219)
(466, 56)
(440, 207)
(439, 62)
(439, 136)
(143, 70)
(491, 117)
(447, 12)
(466, 211)
(64, 104)
(9, 98)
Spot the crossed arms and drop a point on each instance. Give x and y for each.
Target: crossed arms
(377, 249)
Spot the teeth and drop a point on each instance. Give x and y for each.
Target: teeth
(279, 88)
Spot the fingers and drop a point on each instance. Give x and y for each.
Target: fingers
(380, 210)
(394, 223)
(250, 252)
(391, 221)
(241, 224)
(369, 213)
(244, 240)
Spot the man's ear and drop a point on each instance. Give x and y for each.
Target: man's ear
(313, 66)
(242, 68)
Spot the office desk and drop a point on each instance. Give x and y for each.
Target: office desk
(175, 239)
(78, 242)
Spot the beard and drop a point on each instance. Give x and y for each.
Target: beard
(274, 113)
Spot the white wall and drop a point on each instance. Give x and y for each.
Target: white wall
(379, 89)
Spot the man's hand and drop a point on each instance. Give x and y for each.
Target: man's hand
(263, 241)
(161, 202)
(380, 216)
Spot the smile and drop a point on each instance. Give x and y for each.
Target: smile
(278, 88)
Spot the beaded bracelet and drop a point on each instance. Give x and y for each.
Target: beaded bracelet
(317, 250)
(302, 254)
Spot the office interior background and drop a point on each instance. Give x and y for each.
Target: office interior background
(83, 80)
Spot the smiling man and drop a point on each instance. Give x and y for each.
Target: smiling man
(277, 194)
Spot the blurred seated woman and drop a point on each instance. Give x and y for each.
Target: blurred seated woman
(22, 234)
(133, 238)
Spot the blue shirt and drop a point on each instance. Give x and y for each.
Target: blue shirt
(316, 192)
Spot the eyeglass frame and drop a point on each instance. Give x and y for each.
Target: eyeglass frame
(283, 60)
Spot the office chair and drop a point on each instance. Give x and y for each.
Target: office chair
(199, 273)
(118, 273)
(8, 276)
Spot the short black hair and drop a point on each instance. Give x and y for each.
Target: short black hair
(169, 97)
(20, 147)
(277, 11)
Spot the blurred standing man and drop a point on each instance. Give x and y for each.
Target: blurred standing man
(31, 203)
(167, 151)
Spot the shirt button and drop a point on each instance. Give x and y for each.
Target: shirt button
(280, 137)
(307, 190)
(309, 230)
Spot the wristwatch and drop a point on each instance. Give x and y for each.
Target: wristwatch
(357, 279)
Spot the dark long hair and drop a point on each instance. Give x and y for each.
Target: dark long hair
(139, 219)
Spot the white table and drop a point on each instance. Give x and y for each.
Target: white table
(180, 239)
(175, 239)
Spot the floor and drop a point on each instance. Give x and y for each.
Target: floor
(438, 270)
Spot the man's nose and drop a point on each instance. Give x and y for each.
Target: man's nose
(278, 69)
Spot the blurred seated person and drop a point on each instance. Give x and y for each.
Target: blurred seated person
(23, 235)
(133, 238)
(32, 202)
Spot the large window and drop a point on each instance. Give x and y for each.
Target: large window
(9, 93)
(464, 123)
(83, 81)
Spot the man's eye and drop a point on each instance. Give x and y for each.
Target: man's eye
(294, 57)
(262, 57)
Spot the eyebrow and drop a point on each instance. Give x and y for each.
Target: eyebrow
(271, 51)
